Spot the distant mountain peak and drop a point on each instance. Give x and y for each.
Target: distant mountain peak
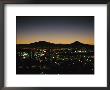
(43, 42)
(77, 42)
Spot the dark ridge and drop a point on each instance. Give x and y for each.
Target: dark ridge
(44, 44)
(49, 43)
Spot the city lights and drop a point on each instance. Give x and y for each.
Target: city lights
(46, 59)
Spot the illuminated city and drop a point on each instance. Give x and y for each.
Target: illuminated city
(57, 59)
(68, 48)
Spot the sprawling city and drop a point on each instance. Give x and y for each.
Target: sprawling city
(55, 45)
(48, 58)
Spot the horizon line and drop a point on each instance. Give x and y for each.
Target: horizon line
(57, 43)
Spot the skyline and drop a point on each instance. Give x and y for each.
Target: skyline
(55, 29)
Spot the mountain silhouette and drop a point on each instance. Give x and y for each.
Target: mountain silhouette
(76, 43)
(44, 44)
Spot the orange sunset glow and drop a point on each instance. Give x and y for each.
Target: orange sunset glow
(58, 30)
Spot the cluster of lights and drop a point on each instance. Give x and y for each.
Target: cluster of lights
(58, 55)
(24, 55)
(42, 54)
(44, 58)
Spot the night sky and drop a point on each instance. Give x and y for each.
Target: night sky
(55, 29)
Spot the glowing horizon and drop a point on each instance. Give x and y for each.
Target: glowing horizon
(55, 29)
(26, 42)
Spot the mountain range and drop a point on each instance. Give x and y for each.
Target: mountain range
(44, 44)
